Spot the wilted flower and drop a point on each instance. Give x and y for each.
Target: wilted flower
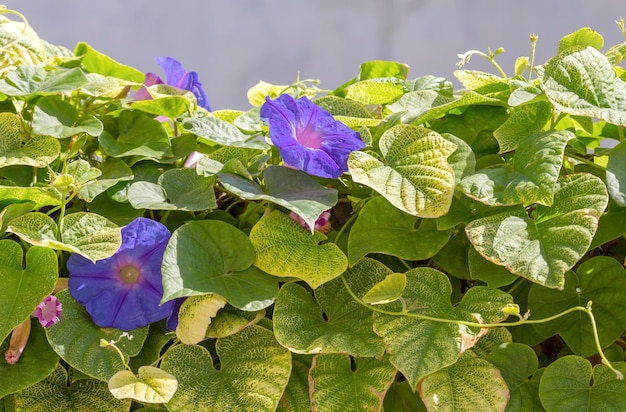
(48, 311)
(308, 137)
(124, 290)
(322, 223)
(17, 343)
(175, 76)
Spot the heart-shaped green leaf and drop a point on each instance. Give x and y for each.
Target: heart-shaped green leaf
(382, 228)
(414, 176)
(37, 361)
(415, 104)
(254, 371)
(28, 79)
(139, 135)
(40, 196)
(211, 256)
(601, 280)
(299, 324)
(16, 149)
(419, 347)
(214, 130)
(285, 249)
(335, 386)
(57, 118)
(95, 62)
(530, 178)
(583, 83)
(570, 384)
(375, 91)
(582, 37)
(524, 121)
(471, 384)
(517, 363)
(23, 286)
(544, 248)
(292, 189)
(54, 394)
(113, 170)
(151, 385)
(195, 316)
(76, 339)
(178, 189)
(88, 234)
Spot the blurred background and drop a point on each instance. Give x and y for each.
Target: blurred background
(233, 44)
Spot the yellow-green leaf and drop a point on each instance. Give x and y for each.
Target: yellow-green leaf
(387, 290)
(415, 175)
(286, 249)
(151, 385)
(195, 316)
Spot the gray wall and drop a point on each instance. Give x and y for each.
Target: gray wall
(233, 44)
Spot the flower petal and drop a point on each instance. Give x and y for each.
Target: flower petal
(108, 298)
(308, 137)
(177, 76)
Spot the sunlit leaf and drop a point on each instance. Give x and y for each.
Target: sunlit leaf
(544, 248)
(471, 384)
(583, 83)
(525, 121)
(214, 130)
(284, 248)
(530, 177)
(88, 234)
(151, 385)
(253, 373)
(387, 290)
(414, 176)
(54, 394)
(300, 324)
(195, 316)
(419, 347)
(335, 386)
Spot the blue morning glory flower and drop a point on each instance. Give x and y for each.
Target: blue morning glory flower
(124, 290)
(308, 137)
(177, 76)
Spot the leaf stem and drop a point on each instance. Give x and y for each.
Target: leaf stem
(522, 321)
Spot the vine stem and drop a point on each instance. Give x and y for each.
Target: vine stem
(522, 321)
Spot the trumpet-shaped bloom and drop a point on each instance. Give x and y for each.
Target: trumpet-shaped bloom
(177, 76)
(124, 290)
(308, 137)
(48, 311)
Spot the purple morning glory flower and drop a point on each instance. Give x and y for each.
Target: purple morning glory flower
(175, 76)
(308, 137)
(124, 290)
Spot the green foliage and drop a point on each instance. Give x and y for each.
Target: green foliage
(472, 258)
